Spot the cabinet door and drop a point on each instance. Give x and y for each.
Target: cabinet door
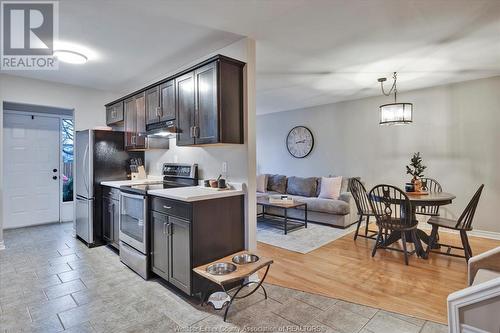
(159, 246)
(107, 219)
(114, 113)
(140, 130)
(116, 221)
(185, 109)
(180, 254)
(152, 105)
(167, 101)
(206, 115)
(130, 120)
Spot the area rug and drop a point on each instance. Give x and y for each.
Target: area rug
(301, 240)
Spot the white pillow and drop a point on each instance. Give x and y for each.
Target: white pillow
(330, 187)
(261, 183)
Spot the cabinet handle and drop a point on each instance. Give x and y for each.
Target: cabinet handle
(158, 111)
(191, 132)
(164, 228)
(167, 207)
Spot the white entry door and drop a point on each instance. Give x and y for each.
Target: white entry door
(31, 170)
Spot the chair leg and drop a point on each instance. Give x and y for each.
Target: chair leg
(465, 245)
(432, 239)
(366, 226)
(357, 228)
(468, 243)
(403, 238)
(379, 235)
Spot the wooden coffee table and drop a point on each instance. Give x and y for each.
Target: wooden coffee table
(283, 222)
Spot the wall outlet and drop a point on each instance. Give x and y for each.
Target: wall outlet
(224, 169)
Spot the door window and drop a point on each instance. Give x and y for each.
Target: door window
(67, 145)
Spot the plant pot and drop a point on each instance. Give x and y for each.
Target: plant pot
(417, 184)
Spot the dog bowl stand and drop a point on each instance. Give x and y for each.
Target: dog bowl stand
(242, 272)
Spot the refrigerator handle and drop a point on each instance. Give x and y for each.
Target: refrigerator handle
(86, 173)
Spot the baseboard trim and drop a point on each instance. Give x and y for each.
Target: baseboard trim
(473, 233)
(2, 245)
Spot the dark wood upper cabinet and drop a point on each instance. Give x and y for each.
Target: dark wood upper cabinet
(167, 101)
(114, 113)
(217, 116)
(130, 120)
(205, 102)
(206, 113)
(185, 95)
(135, 122)
(153, 105)
(140, 104)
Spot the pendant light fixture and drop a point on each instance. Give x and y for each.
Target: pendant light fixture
(394, 113)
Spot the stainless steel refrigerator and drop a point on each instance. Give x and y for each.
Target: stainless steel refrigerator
(100, 156)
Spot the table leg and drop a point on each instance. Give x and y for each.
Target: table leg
(286, 220)
(305, 214)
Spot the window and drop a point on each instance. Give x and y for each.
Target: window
(67, 144)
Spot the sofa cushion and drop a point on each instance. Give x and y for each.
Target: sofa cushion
(330, 187)
(261, 183)
(276, 183)
(330, 206)
(484, 275)
(302, 186)
(345, 183)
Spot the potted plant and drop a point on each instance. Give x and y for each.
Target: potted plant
(416, 169)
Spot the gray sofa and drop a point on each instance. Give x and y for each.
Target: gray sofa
(339, 213)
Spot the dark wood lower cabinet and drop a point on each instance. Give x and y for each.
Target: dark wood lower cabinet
(110, 220)
(159, 244)
(183, 237)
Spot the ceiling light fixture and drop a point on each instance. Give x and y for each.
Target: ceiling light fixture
(394, 113)
(70, 57)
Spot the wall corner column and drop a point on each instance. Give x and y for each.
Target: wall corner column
(250, 108)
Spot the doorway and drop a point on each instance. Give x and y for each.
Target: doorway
(37, 166)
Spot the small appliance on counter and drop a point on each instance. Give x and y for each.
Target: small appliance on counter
(134, 228)
(100, 155)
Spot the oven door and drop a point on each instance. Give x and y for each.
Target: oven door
(133, 222)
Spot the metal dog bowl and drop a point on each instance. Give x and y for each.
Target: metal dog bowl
(221, 268)
(245, 258)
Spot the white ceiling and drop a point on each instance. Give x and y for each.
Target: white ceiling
(309, 52)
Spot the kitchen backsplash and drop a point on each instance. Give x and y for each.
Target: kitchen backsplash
(210, 160)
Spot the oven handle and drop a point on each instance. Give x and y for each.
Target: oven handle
(132, 196)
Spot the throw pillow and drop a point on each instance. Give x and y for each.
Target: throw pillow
(330, 187)
(261, 183)
(305, 187)
(276, 183)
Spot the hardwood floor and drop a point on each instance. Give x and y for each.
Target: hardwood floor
(345, 269)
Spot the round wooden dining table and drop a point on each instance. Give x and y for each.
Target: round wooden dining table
(421, 200)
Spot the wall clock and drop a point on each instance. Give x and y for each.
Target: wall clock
(299, 142)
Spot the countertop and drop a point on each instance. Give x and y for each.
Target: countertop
(195, 193)
(118, 183)
(188, 193)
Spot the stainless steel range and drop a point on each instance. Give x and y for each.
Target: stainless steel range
(134, 227)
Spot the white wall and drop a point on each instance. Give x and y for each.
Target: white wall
(87, 103)
(240, 158)
(456, 127)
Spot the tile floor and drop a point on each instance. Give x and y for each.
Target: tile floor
(50, 282)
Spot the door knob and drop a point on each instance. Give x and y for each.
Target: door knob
(54, 170)
(54, 177)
